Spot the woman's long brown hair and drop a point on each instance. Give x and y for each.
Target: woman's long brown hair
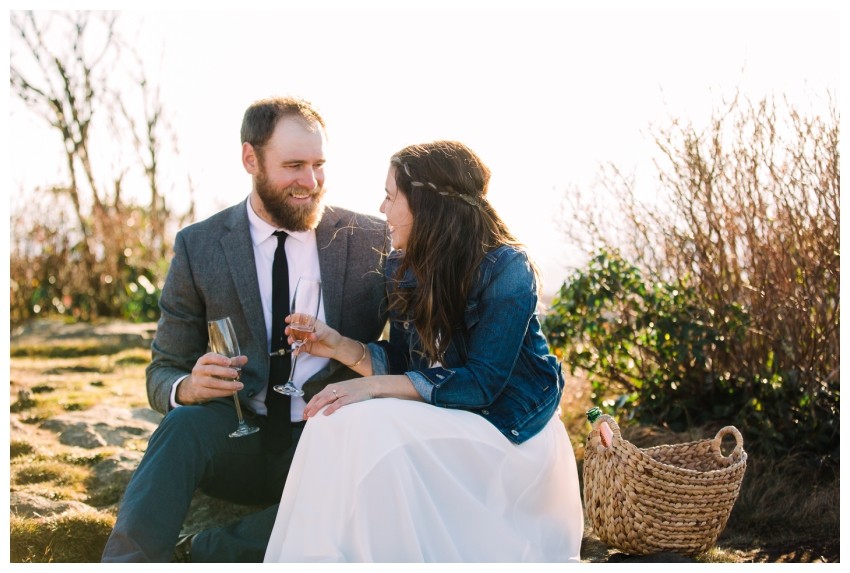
(454, 226)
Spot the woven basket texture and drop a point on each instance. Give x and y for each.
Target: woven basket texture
(671, 498)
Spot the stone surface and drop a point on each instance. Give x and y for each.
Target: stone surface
(24, 504)
(102, 426)
(52, 332)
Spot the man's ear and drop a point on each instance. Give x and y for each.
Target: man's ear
(250, 160)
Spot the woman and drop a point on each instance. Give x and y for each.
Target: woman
(465, 458)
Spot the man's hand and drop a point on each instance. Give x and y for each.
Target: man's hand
(214, 376)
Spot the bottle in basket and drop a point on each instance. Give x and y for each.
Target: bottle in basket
(605, 433)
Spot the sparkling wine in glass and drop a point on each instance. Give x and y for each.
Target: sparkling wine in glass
(223, 341)
(303, 312)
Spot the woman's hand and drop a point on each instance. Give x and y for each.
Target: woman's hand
(339, 394)
(323, 341)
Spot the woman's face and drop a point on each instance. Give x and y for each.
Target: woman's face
(397, 211)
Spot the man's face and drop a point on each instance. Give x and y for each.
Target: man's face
(289, 175)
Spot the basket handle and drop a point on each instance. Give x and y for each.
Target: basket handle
(615, 428)
(718, 440)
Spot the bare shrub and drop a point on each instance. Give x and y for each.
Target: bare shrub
(746, 218)
(83, 247)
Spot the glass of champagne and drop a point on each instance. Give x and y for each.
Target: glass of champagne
(303, 312)
(223, 341)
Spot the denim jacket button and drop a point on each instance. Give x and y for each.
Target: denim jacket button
(485, 412)
(515, 433)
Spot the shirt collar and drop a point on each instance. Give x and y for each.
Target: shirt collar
(261, 230)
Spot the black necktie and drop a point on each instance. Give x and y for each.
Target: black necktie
(277, 431)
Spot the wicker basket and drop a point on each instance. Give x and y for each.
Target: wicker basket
(673, 498)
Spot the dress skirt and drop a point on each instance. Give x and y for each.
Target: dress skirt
(400, 481)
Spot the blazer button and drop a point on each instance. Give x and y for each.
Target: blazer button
(485, 412)
(515, 433)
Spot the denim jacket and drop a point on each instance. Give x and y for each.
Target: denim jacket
(499, 365)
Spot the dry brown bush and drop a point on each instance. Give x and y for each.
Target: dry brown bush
(747, 213)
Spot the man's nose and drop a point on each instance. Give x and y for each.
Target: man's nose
(308, 178)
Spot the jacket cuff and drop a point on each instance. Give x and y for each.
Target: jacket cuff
(422, 385)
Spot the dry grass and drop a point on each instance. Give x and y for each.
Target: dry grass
(69, 538)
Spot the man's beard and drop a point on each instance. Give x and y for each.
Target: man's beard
(285, 215)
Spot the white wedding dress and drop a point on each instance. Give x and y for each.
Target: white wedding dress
(390, 480)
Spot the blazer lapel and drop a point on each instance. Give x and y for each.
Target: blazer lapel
(239, 252)
(332, 243)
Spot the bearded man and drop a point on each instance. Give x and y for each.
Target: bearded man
(224, 266)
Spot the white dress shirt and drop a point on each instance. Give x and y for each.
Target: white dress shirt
(302, 257)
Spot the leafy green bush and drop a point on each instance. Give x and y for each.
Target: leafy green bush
(653, 353)
(646, 346)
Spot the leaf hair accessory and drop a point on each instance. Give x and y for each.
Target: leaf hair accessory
(445, 192)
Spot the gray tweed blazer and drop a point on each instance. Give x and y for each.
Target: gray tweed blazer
(213, 274)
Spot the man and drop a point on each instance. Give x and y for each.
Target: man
(224, 266)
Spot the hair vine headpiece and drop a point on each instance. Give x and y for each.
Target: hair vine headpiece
(447, 192)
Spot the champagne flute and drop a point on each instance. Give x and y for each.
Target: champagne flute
(303, 312)
(223, 341)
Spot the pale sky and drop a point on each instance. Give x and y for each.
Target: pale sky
(543, 95)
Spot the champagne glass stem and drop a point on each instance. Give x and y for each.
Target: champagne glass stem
(242, 428)
(290, 389)
(292, 369)
(238, 408)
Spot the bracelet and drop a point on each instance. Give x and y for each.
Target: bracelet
(362, 358)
